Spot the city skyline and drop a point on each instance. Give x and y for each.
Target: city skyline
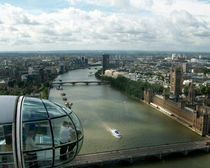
(150, 25)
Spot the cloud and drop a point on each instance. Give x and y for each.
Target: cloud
(74, 28)
(73, 2)
(190, 26)
(198, 7)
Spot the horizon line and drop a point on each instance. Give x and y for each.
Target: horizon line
(101, 50)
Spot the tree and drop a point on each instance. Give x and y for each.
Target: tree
(130, 87)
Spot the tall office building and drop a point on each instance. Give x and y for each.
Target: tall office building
(105, 62)
(186, 67)
(176, 81)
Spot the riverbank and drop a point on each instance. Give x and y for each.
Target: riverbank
(128, 86)
(135, 89)
(173, 116)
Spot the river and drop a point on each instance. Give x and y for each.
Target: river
(101, 108)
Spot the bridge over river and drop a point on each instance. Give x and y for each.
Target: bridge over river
(87, 82)
(130, 155)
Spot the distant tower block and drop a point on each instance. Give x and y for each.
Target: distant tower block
(176, 81)
(105, 62)
(186, 67)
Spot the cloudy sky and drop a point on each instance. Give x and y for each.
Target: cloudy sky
(182, 25)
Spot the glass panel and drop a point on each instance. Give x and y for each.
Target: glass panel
(63, 130)
(53, 109)
(65, 153)
(36, 135)
(79, 145)
(69, 111)
(77, 125)
(33, 109)
(72, 150)
(59, 156)
(38, 159)
(6, 161)
(5, 138)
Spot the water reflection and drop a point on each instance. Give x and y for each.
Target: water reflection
(102, 108)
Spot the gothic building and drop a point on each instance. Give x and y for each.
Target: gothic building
(176, 81)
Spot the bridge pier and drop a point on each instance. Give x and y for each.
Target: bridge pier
(160, 156)
(128, 156)
(98, 165)
(131, 161)
(186, 153)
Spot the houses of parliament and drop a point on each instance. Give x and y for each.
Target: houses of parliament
(188, 110)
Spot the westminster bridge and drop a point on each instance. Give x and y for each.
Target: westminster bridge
(134, 154)
(87, 82)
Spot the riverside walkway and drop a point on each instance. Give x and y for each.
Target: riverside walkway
(81, 82)
(130, 155)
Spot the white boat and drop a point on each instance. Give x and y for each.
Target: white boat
(116, 133)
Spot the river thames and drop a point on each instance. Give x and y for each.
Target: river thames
(102, 108)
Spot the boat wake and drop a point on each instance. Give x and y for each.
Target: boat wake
(116, 133)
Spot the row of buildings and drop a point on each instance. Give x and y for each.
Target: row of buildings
(192, 110)
(26, 74)
(38, 67)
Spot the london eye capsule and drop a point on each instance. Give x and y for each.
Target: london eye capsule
(37, 133)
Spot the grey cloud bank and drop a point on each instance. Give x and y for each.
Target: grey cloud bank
(74, 28)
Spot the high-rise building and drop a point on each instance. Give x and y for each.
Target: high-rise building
(105, 62)
(186, 67)
(176, 81)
